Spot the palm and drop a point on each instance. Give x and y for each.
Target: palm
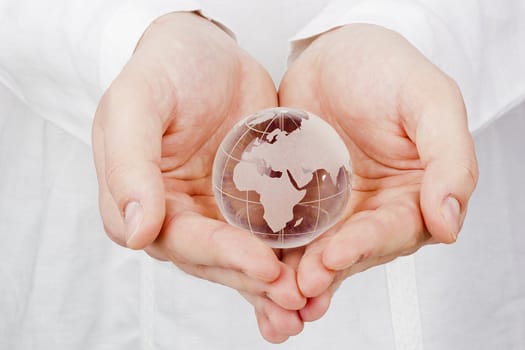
(363, 104)
(194, 133)
(387, 172)
(212, 102)
(369, 83)
(185, 86)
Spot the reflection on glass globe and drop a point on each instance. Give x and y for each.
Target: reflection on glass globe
(284, 175)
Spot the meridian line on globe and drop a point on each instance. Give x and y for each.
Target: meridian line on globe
(278, 234)
(297, 126)
(302, 204)
(259, 131)
(266, 132)
(242, 136)
(248, 211)
(233, 148)
(275, 116)
(277, 196)
(262, 196)
(224, 170)
(318, 201)
(230, 156)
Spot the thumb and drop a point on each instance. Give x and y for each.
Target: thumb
(127, 135)
(436, 120)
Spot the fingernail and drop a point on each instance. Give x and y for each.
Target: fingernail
(450, 210)
(132, 218)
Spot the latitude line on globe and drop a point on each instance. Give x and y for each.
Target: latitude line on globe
(254, 202)
(228, 154)
(252, 129)
(255, 130)
(266, 132)
(265, 129)
(233, 149)
(275, 116)
(248, 168)
(275, 234)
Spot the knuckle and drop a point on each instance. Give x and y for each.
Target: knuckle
(451, 84)
(105, 104)
(378, 229)
(118, 173)
(413, 223)
(222, 242)
(170, 238)
(156, 253)
(247, 285)
(115, 175)
(469, 171)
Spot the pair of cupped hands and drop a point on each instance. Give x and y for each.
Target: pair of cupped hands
(158, 126)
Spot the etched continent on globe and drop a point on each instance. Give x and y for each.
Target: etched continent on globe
(284, 175)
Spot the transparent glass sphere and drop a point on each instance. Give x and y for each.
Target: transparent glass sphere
(284, 175)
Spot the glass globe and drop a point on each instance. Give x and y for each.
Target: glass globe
(284, 175)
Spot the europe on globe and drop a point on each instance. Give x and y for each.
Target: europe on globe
(284, 175)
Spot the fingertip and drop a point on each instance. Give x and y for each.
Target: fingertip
(333, 259)
(316, 307)
(444, 198)
(133, 228)
(285, 292)
(138, 192)
(450, 213)
(284, 321)
(143, 218)
(273, 270)
(267, 331)
(338, 255)
(266, 267)
(443, 226)
(133, 217)
(313, 276)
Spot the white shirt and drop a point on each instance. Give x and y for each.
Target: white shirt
(65, 285)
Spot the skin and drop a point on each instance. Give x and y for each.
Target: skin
(391, 106)
(153, 155)
(405, 125)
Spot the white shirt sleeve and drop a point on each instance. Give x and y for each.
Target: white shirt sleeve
(58, 56)
(480, 43)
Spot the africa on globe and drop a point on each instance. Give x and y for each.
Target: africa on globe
(284, 175)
